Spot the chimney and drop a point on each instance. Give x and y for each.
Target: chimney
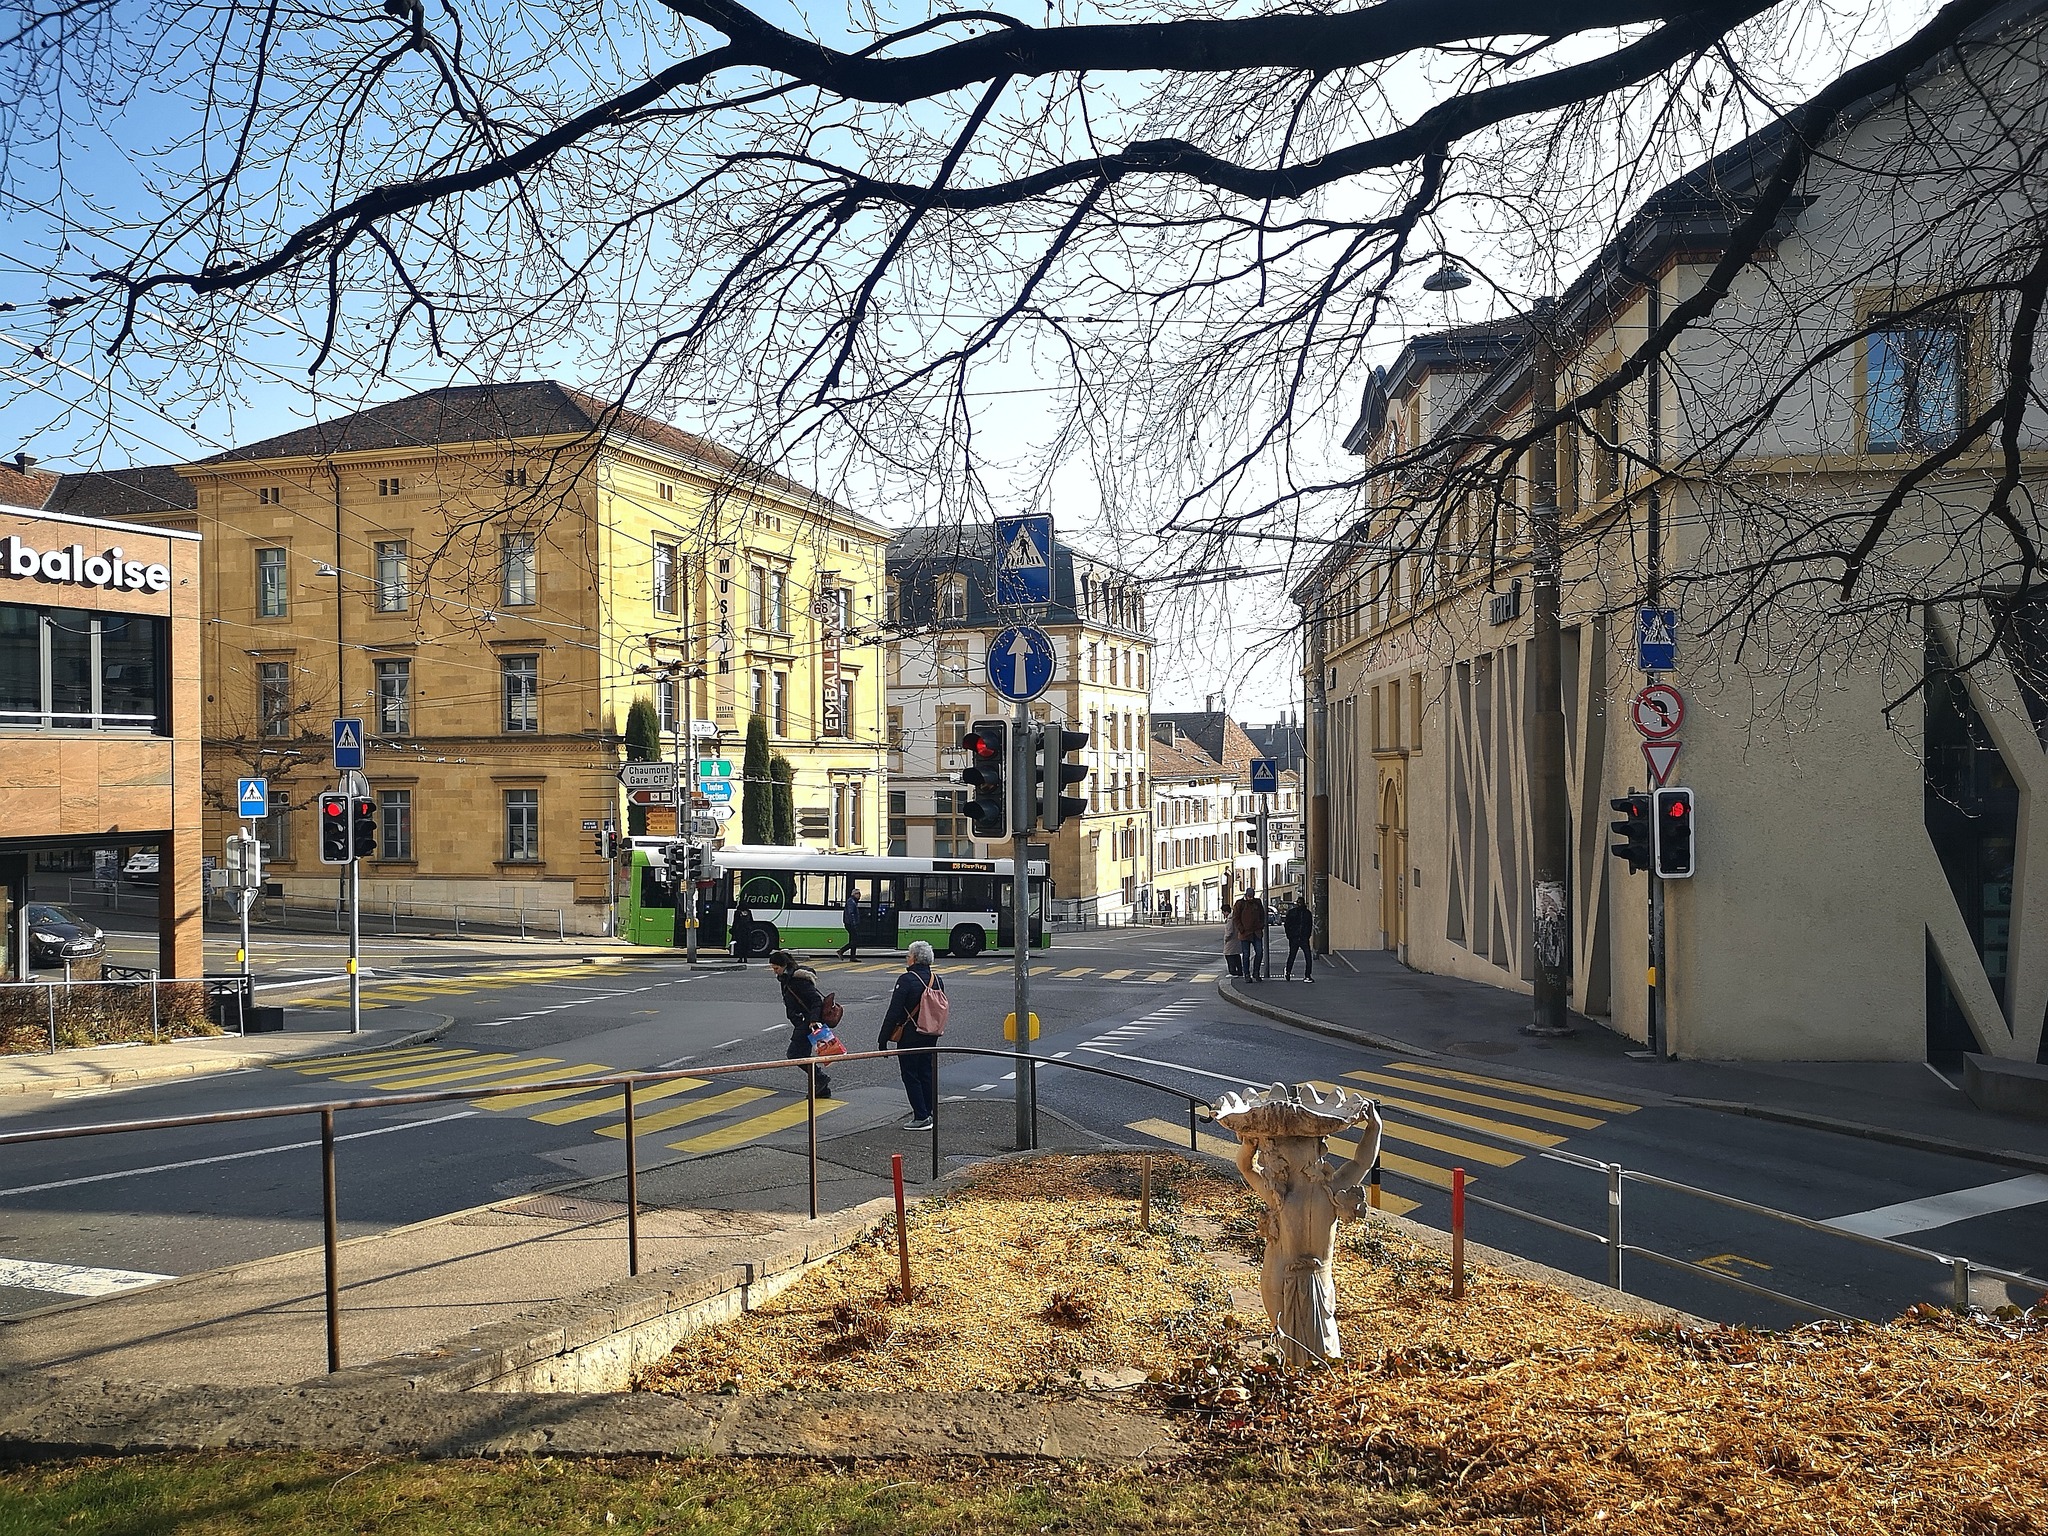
(24, 462)
(1212, 702)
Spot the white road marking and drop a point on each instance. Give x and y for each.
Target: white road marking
(72, 1279)
(1941, 1210)
(1171, 1066)
(226, 1157)
(1945, 1082)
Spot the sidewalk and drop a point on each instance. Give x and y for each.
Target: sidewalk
(1370, 998)
(104, 1066)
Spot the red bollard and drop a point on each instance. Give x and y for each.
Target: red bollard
(902, 1232)
(1457, 1234)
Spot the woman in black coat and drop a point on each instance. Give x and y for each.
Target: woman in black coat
(805, 1006)
(913, 1045)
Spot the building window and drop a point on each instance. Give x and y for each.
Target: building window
(757, 692)
(522, 692)
(952, 661)
(952, 598)
(667, 578)
(522, 826)
(847, 814)
(1093, 652)
(387, 487)
(394, 698)
(778, 602)
(1913, 387)
(778, 703)
(69, 669)
(757, 598)
(522, 580)
(274, 698)
(950, 837)
(896, 730)
(270, 496)
(899, 824)
(274, 831)
(665, 489)
(839, 721)
(1141, 669)
(892, 604)
(393, 563)
(515, 477)
(952, 726)
(394, 810)
(665, 691)
(273, 591)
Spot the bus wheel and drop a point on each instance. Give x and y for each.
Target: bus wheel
(762, 940)
(966, 942)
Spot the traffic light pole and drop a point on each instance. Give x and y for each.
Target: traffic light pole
(1020, 915)
(1655, 1033)
(355, 944)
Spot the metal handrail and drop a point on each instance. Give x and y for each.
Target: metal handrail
(628, 1082)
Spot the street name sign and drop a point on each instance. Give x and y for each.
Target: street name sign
(651, 796)
(648, 775)
(252, 798)
(1265, 776)
(1024, 561)
(1021, 662)
(1657, 711)
(348, 743)
(1656, 639)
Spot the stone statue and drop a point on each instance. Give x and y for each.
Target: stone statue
(1280, 1153)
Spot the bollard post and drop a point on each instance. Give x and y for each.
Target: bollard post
(1457, 1234)
(50, 991)
(329, 1241)
(1373, 1190)
(1961, 1270)
(153, 1010)
(902, 1232)
(1614, 1225)
(632, 1189)
(1193, 1144)
(1031, 1068)
(935, 1114)
(1145, 1193)
(811, 1136)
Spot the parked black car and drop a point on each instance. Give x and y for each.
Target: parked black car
(55, 936)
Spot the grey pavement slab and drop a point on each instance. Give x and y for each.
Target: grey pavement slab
(1372, 998)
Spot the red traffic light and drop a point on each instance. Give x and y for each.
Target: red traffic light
(1678, 810)
(978, 744)
(331, 805)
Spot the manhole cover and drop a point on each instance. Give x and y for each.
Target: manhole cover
(567, 1208)
(1481, 1048)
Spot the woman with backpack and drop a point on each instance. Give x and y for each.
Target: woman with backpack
(805, 1006)
(914, 1023)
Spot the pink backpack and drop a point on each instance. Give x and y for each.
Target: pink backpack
(932, 1008)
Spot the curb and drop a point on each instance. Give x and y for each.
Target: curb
(2032, 1161)
(166, 1072)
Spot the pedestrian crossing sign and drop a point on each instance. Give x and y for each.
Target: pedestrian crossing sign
(1656, 639)
(252, 798)
(1024, 560)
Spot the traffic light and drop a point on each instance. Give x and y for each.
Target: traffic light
(672, 859)
(334, 828)
(987, 744)
(1673, 836)
(1633, 830)
(1055, 774)
(363, 827)
(601, 844)
(693, 863)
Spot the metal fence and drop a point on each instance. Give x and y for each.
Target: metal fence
(629, 1082)
(331, 914)
(228, 999)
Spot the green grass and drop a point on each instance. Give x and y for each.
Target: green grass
(202, 1495)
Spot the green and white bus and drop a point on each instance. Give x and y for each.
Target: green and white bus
(766, 898)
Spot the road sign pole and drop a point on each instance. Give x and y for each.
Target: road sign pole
(245, 899)
(1020, 919)
(355, 970)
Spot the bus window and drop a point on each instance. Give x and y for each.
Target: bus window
(812, 890)
(977, 893)
(655, 893)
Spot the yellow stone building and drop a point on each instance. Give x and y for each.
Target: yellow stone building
(489, 576)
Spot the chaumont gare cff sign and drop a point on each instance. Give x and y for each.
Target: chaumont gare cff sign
(72, 566)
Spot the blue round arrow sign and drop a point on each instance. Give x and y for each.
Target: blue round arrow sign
(1021, 662)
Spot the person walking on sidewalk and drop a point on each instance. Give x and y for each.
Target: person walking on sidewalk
(1300, 925)
(900, 1028)
(805, 1006)
(1249, 916)
(850, 915)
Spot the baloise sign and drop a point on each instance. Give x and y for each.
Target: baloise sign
(72, 566)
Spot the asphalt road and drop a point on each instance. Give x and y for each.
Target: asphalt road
(174, 1202)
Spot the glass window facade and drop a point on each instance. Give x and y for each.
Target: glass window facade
(393, 565)
(273, 589)
(522, 692)
(522, 826)
(394, 811)
(1912, 387)
(72, 669)
(274, 698)
(521, 570)
(394, 698)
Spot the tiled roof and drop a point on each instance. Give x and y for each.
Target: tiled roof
(146, 492)
(24, 490)
(1180, 758)
(1221, 737)
(503, 413)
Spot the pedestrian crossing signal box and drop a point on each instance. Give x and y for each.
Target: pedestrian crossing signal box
(1010, 1026)
(334, 828)
(987, 745)
(1671, 834)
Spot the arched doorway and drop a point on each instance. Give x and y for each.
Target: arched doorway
(1393, 869)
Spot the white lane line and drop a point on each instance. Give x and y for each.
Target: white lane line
(663, 1066)
(1941, 1210)
(72, 1279)
(1171, 1066)
(226, 1157)
(1945, 1081)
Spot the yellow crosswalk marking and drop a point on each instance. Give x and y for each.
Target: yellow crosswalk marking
(1505, 1130)
(1160, 976)
(546, 1095)
(743, 1131)
(1077, 971)
(492, 1071)
(1177, 1135)
(1483, 1100)
(1397, 1205)
(409, 994)
(615, 1103)
(1457, 1146)
(1590, 1101)
(683, 1114)
(991, 970)
(356, 1063)
(468, 1058)
(546, 1075)
(1203, 976)
(1114, 975)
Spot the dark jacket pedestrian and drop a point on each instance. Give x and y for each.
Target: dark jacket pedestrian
(913, 1045)
(1248, 916)
(1300, 924)
(850, 915)
(743, 930)
(805, 1006)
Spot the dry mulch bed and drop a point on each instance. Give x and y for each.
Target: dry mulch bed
(1521, 1409)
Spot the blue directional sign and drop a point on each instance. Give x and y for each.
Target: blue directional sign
(348, 743)
(1024, 561)
(1656, 639)
(1021, 663)
(252, 798)
(1265, 776)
